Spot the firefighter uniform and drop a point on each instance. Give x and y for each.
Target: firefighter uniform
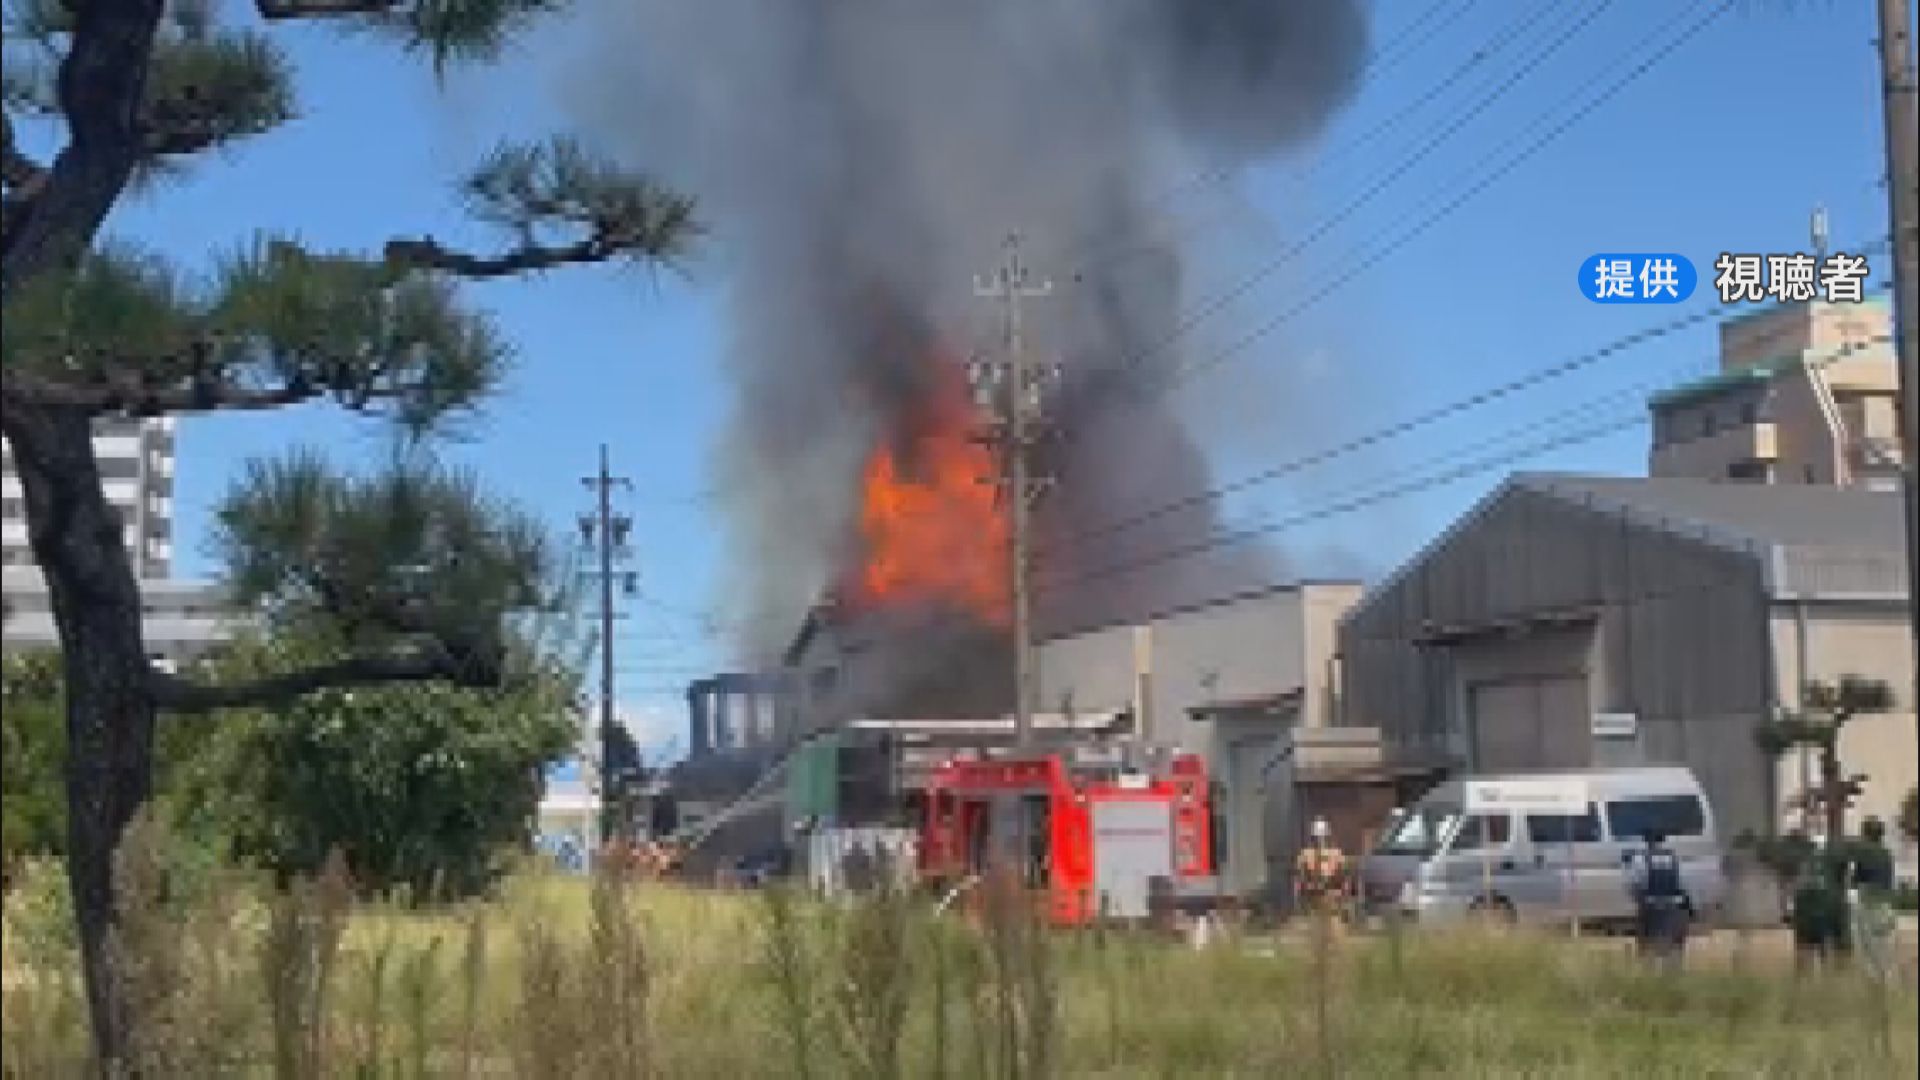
(1320, 875)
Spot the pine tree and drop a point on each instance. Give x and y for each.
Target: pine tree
(1829, 708)
(92, 329)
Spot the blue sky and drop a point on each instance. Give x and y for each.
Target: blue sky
(1726, 145)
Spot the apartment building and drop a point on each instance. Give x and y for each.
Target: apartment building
(1805, 394)
(136, 460)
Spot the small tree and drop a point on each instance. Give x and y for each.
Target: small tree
(131, 90)
(421, 786)
(33, 745)
(1829, 708)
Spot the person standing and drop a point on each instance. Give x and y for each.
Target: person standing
(1870, 895)
(1662, 908)
(1320, 874)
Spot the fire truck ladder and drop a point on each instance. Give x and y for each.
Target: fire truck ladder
(756, 797)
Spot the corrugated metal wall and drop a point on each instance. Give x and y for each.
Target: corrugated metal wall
(1678, 636)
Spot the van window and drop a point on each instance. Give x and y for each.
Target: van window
(1672, 815)
(1483, 831)
(1564, 828)
(1417, 831)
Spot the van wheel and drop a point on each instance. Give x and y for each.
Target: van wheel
(1498, 911)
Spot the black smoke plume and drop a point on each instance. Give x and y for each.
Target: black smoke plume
(862, 161)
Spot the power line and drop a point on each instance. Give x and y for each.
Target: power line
(1242, 535)
(1584, 19)
(1424, 221)
(1411, 424)
(1715, 313)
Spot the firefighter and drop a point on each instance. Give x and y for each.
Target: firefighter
(1320, 874)
(1660, 900)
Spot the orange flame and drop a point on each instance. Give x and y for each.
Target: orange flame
(931, 528)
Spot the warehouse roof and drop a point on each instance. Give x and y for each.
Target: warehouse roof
(1813, 540)
(1796, 515)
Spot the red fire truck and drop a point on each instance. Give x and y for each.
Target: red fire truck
(1088, 841)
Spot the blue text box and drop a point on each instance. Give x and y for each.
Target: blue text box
(1637, 279)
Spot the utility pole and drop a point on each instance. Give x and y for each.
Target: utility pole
(606, 532)
(1901, 114)
(1017, 391)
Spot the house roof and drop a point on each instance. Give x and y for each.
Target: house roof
(1714, 385)
(1759, 515)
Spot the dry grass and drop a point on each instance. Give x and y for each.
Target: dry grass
(560, 978)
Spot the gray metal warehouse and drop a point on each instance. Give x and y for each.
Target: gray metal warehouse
(1572, 621)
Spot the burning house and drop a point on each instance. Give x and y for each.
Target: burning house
(860, 164)
(859, 171)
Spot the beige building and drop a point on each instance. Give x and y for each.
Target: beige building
(1232, 679)
(1805, 395)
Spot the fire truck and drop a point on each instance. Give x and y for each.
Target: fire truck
(1090, 842)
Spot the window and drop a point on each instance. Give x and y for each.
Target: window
(1417, 831)
(1749, 413)
(1483, 831)
(1752, 471)
(1672, 815)
(1564, 828)
(1706, 423)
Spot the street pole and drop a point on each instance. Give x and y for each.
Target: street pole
(605, 485)
(1021, 395)
(607, 531)
(1901, 115)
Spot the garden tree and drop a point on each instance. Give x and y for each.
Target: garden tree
(623, 775)
(418, 784)
(129, 90)
(1829, 708)
(423, 787)
(1910, 816)
(1819, 908)
(32, 748)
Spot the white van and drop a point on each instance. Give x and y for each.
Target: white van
(1518, 847)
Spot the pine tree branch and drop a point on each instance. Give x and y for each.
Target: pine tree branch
(24, 176)
(100, 85)
(422, 663)
(210, 88)
(283, 10)
(424, 253)
(123, 390)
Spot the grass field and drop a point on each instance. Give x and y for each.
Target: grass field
(559, 978)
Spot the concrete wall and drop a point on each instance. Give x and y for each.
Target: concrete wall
(1825, 641)
(1255, 645)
